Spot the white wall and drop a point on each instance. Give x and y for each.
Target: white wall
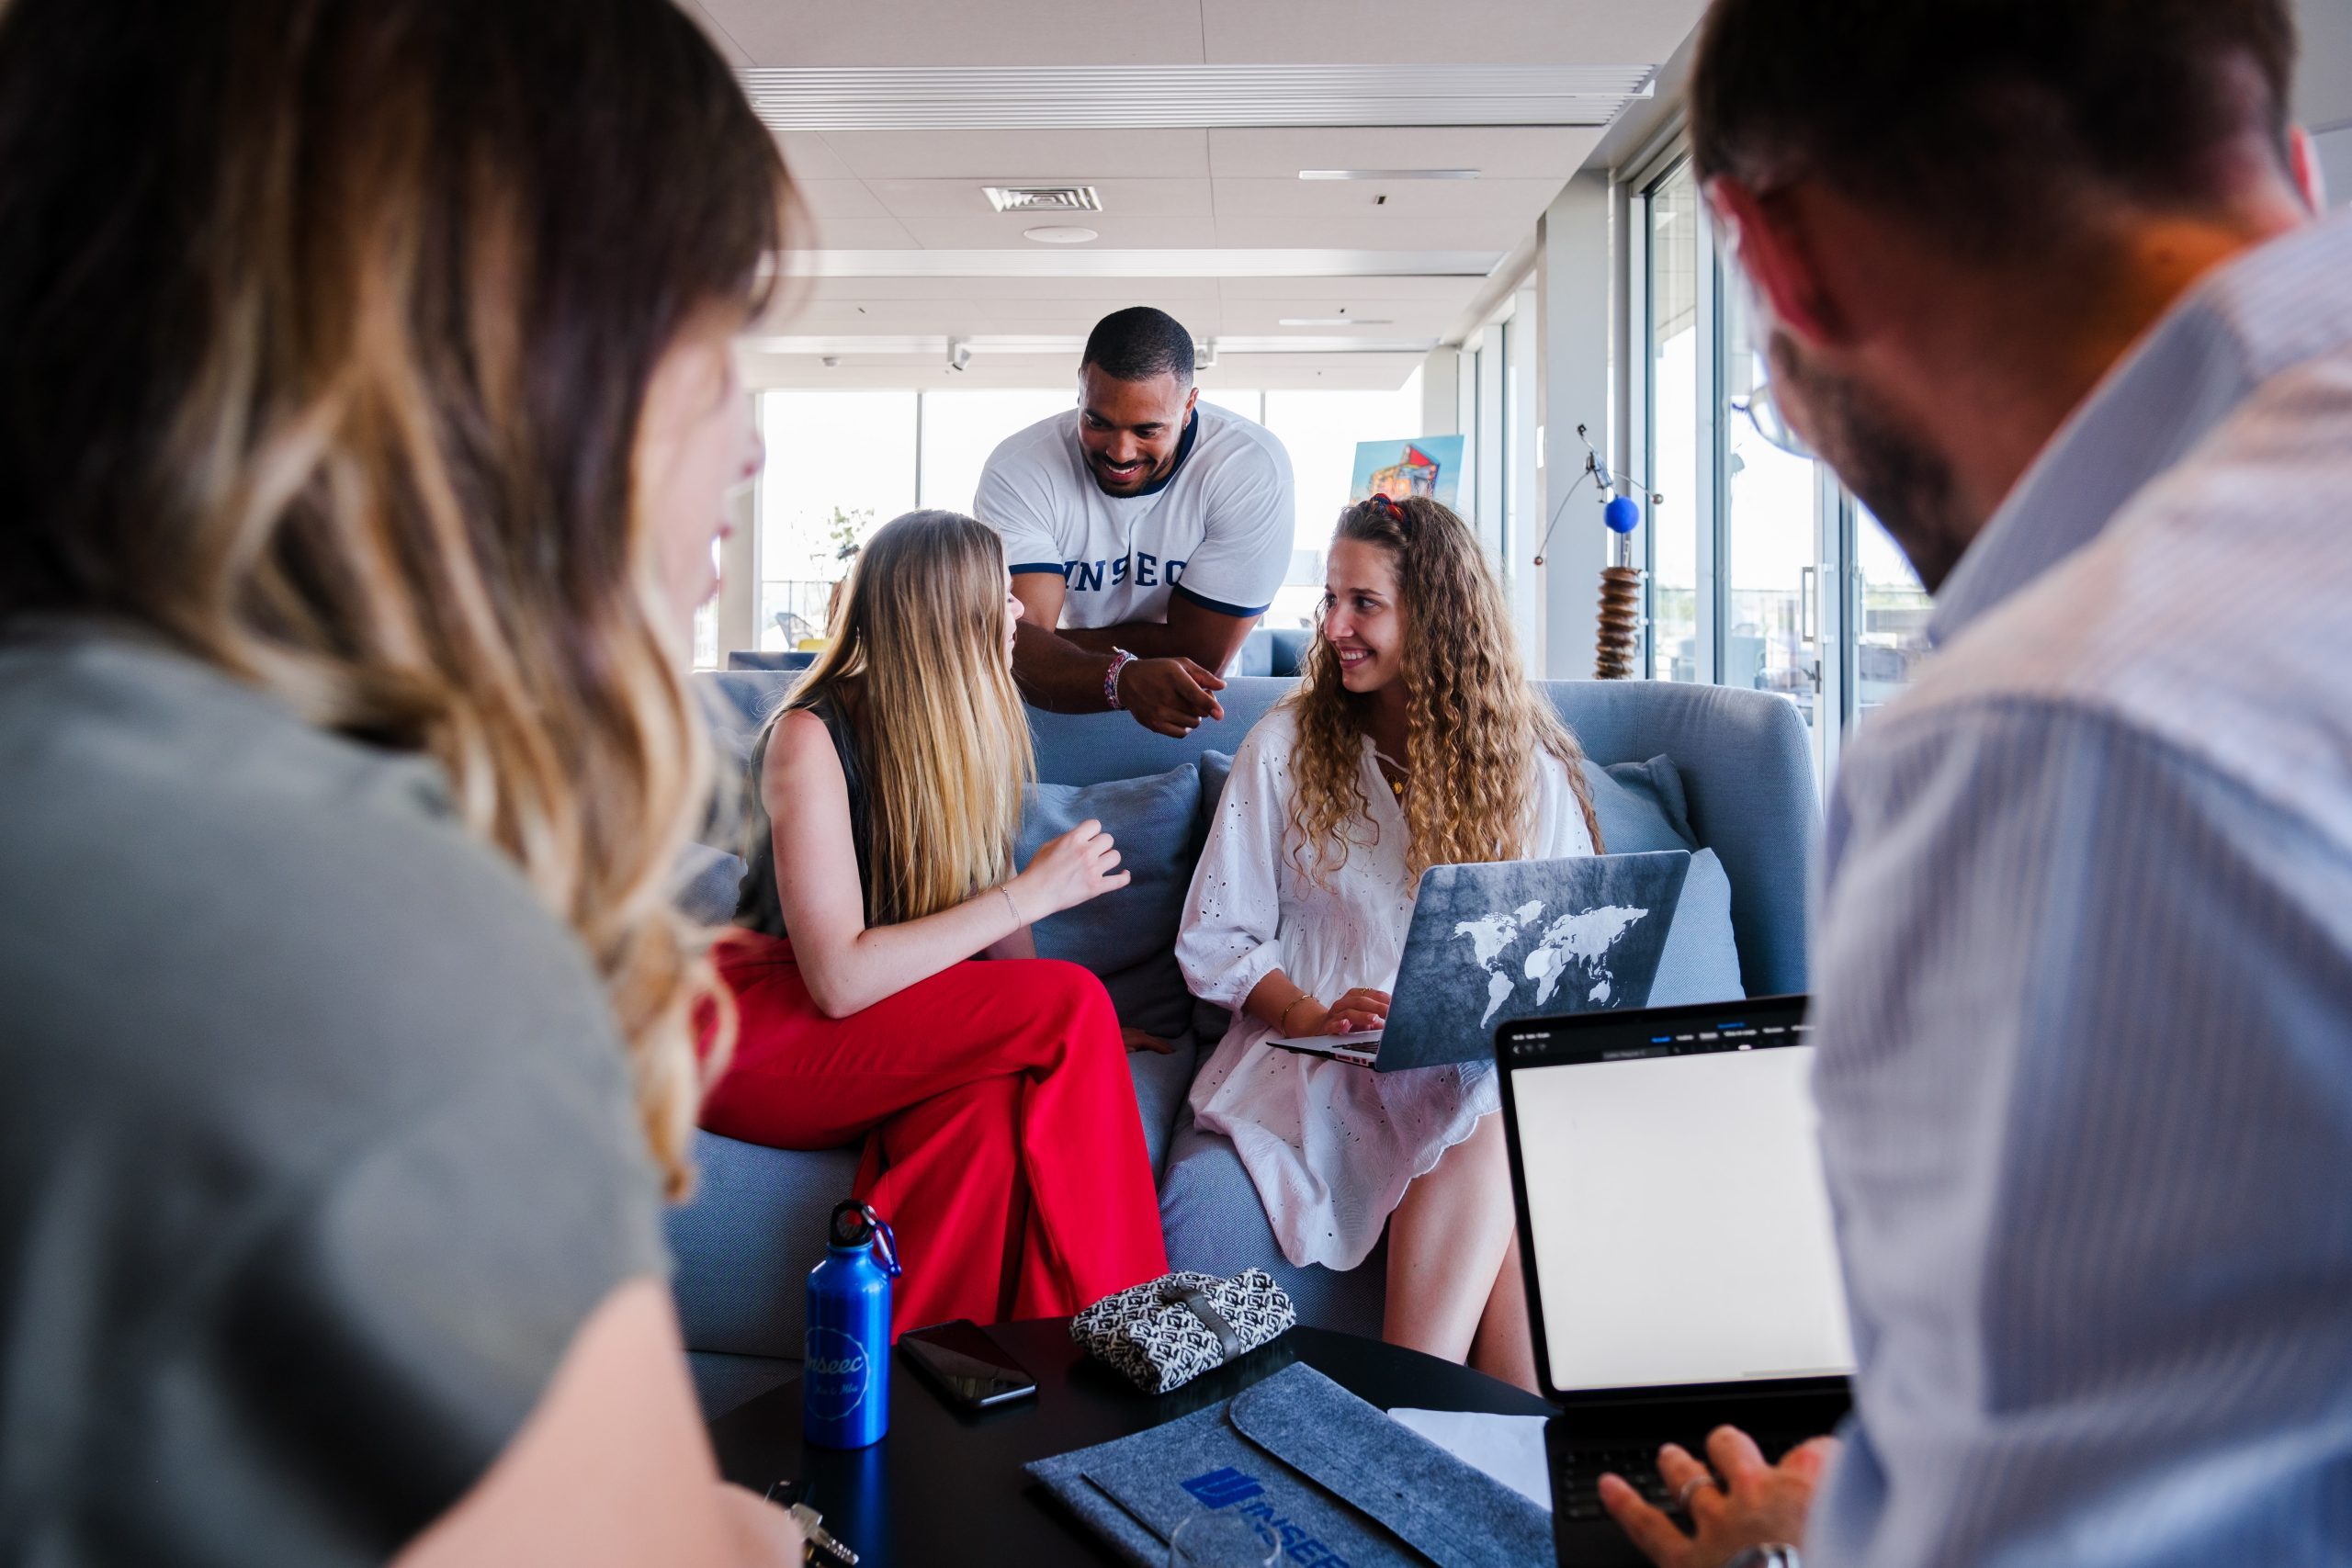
(1441, 392)
(1573, 283)
(739, 576)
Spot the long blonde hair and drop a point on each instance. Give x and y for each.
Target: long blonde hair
(329, 365)
(917, 661)
(1474, 725)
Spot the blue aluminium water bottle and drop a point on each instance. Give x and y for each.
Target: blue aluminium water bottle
(845, 1361)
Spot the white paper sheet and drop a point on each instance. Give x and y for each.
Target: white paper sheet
(1508, 1448)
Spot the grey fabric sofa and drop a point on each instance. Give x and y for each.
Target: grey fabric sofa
(744, 1244)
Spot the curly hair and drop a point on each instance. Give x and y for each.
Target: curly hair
(1474, 723)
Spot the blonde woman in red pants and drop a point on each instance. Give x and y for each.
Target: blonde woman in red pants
(886, 985)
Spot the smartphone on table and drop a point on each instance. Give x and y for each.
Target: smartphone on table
(970, 1370)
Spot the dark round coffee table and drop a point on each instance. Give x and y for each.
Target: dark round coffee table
(945, 1487)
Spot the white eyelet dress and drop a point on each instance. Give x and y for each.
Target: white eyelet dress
(1330, 1146)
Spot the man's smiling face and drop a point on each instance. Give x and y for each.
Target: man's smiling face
(1131, 429)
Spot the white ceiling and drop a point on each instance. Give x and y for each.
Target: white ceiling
(1199, 32)
(1230, 190)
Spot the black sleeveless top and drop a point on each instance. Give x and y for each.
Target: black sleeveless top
(756, 905)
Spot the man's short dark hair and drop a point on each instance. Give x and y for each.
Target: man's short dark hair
(1140, 342)
(1989, 121)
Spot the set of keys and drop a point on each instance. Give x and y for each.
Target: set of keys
(819, 1548)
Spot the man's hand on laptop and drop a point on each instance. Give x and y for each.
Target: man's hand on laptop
(1171, 695)
(1742, 1503)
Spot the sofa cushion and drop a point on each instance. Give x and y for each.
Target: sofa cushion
(1129, 937)
(1215, 767)
(1256, 655)
(745, 1241)
(1209, 1021)
(709, 882)
(1209, 1208)
(1162, 1081)
(1641, 806)
(1700, 963)
(1089, 748)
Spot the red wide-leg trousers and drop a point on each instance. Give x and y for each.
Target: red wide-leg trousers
(1003, 1140)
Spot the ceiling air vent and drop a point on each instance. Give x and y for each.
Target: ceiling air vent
(1044, 199)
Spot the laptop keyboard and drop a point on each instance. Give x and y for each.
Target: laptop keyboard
(1585, 1467)
(1636, 1462)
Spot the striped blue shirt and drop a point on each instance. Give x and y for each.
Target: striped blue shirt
(2085, 983)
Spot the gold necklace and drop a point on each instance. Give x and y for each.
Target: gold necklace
(1396, 786)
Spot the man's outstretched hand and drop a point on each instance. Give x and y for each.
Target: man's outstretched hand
(1171, 695)
(1752, 1504)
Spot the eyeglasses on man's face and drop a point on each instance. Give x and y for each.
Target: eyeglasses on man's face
(1759, 407)
(1763, 412)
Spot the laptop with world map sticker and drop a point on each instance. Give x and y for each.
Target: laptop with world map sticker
(1492, 944)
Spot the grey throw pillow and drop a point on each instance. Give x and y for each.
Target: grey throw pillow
(1128, 938)
(1641, 806)
(1700, 963)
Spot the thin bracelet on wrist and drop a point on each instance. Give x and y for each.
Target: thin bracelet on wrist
(1281, 1024)
(1120, 659)
(1006, 888)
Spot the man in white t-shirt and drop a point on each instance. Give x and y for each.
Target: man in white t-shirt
(1147, 532)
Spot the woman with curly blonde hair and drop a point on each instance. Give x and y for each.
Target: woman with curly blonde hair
(1414, 740)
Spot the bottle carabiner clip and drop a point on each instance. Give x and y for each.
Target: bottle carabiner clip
(886, 1243)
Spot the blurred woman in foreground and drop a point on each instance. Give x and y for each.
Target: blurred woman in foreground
(365, 411)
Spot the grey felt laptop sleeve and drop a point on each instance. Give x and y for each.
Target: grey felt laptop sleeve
(1335, 1478)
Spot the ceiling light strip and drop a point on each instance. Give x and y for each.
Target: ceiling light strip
(1197, 262)
(932, 97)
(1384, 175)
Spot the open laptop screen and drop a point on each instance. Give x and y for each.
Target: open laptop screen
(1672, 1198)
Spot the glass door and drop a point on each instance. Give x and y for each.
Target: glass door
(1889, 618)
(1773, 539)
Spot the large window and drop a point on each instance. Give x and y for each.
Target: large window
(838, 463)
(960, 429)
(1890, 634)
(1772, 536)
(1762, 573)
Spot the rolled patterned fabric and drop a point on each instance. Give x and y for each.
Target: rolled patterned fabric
(1165, 1333)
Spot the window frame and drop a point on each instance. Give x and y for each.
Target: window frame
(1835, 576)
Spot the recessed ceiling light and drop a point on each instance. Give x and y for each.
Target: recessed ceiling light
(1388, 174)
(1059, 234)
(1334, 321)
(1042, 199)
